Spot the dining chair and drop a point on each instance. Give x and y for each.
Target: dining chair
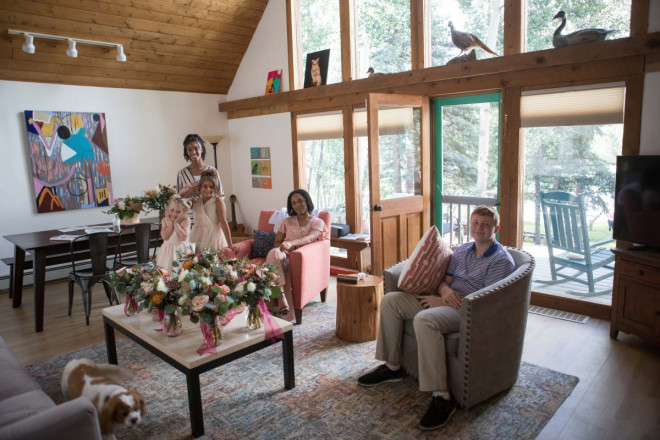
(98, 272)
(142, 239)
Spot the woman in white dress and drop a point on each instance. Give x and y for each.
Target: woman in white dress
(210, 229)
(174, 231)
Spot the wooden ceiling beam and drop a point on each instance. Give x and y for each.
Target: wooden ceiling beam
(540, 67)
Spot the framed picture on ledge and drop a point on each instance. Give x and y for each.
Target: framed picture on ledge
(316, 68)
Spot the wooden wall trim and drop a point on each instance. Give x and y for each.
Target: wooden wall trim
(351, 172)
(514, 26)
(598, 61)
(418, 31)
(511, 175)
(346, 24)
(632, 115)
(292, 41)
(598, 311)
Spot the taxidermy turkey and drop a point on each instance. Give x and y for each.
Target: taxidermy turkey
(577, 37)
(466, 41)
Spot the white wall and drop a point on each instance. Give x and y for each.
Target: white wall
(267, 51)
(145, 134)
(650, 135)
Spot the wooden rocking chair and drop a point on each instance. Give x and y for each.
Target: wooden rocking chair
(571, 254)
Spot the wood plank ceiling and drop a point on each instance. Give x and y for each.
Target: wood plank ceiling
(176, 45)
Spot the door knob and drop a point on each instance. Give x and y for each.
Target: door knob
(378, 208)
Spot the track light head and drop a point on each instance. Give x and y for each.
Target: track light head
(28, 46)
(72, 51)
(121, 57)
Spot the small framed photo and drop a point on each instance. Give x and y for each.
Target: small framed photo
(316, 68)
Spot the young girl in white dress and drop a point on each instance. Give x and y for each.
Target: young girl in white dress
(174, 231)
(210, 229)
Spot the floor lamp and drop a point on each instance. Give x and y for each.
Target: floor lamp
(214, 140)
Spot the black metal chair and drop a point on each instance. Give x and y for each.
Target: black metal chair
(142, 233)
(86, 278)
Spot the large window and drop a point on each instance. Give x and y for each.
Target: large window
(571, 137)
(606, 14)
(319, 30)
(483, 18)
(382, 30)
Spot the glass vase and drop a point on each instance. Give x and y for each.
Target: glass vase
(157, 315)
(172, 324)
(253, 318)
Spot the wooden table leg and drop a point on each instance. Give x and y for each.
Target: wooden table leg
(195, 404)
(39, 274)
(287, 354)
(17, 282)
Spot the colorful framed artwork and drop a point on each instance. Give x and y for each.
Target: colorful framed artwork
(69, 159)
(273, 82)
(260, 167)
(316, 68)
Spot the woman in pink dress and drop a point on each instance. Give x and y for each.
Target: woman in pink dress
(210, 229)
(299, 229)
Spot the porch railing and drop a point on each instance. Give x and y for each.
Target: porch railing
(456, 216)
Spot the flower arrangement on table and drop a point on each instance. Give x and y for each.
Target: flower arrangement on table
(257, 284)
(158, 198)
(126, 208)
(134, 282)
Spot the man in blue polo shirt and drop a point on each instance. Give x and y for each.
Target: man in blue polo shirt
(472, 266)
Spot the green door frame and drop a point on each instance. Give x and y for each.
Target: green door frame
(438, 105)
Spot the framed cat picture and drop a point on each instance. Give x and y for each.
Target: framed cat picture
(316, 68)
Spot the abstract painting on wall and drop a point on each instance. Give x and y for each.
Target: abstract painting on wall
(69, 159)
(260, 167)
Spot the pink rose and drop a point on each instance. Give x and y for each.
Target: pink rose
(199, 302)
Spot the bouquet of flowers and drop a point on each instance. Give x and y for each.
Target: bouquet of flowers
(255, 283)
(155, 290)
(126, 208)
(158, 198)
(126, 281)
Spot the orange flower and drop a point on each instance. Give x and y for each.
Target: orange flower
(157, 299)
(163, 272)
(188, 264)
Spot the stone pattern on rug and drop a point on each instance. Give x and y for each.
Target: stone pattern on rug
(246, 399)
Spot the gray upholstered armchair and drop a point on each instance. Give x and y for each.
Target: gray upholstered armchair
(483, 358)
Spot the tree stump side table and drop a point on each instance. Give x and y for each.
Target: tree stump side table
(358, 309)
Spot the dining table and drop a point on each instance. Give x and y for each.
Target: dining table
(49, 251)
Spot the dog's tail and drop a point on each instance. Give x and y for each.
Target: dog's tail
(115, 372)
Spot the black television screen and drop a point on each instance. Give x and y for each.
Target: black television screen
(637, 200)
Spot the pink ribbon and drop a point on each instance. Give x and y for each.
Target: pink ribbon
(272, 330)
(130, 302)
(208, 346)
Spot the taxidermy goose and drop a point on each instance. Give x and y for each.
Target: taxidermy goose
(466, 41)
(372, 73)
(577, 37)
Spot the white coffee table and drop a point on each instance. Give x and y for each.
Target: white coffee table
(181, 351)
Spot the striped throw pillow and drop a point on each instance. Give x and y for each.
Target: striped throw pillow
(427, 265)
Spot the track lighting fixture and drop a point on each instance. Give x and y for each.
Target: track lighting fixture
(72, 51)
(121, 57)
(28, 46)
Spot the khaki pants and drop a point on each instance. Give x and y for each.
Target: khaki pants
(430, 327)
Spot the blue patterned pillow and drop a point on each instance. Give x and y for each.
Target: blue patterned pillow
(263, 242)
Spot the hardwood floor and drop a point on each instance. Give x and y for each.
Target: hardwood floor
(618, 396)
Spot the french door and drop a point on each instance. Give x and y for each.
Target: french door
(399, 175)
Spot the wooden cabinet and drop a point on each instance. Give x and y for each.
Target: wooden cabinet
(636, 294)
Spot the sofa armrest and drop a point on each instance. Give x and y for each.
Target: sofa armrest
(391, 277)
(75, 419)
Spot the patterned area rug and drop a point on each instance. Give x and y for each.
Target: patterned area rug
(246, 399)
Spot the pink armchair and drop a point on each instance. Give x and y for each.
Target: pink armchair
(309, 268)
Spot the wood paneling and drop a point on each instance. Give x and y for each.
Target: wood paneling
(191, 46)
